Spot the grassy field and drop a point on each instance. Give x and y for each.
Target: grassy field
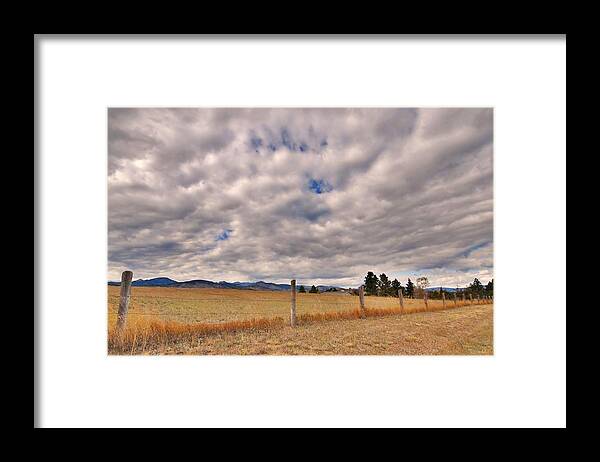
(219, 305)
(461, 331)
(202, 321)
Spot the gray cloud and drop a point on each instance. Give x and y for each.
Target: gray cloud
(321, 195)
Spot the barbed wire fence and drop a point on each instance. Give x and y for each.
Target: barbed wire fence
(125, 304)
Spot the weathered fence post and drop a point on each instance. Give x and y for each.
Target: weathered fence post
(443, 298)
(126, 278)
(293, 307)
(463, 298)
(361, 299)
(401, 298)
(425, 299)
(471, 298)
(455, 302)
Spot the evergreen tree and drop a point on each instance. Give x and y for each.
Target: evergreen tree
(410, 289)
(385, 286)
(396, 287)
(489, 288)
(313, 290)
(302, 290)
(371, 283)
(476, 287)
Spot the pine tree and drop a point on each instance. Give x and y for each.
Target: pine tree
(313, 290)
(396, 287)
(489, 289)
(371, 283)
(410, 288)
(385, 287)
(302, 290)
(476, 287)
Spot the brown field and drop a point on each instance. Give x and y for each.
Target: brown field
(229, 321)
(461, 331)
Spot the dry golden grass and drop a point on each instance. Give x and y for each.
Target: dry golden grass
(461, 331)
(160, 318)
(144, 334)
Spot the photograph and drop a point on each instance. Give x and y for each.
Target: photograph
(300, 231)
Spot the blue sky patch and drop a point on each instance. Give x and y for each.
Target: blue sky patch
(319, 186)
(256, 142)
(471, 249)
(285, 139)
(224, 235)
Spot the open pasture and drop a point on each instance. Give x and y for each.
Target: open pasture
(462, 331)
(173, 319)
(222, 305)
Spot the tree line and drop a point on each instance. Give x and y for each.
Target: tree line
(313, 290)
(382, 287)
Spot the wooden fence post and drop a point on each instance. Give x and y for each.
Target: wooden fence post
(361, 299)
(455, 302)
(126, 278)
(293, 307)
(401, 298)
(425, 299)
(443, 299)
(471, 298)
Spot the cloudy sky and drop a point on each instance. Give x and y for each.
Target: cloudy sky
(320, 195)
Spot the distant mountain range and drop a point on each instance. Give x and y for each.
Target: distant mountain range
(204, 284)
(446, 289)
